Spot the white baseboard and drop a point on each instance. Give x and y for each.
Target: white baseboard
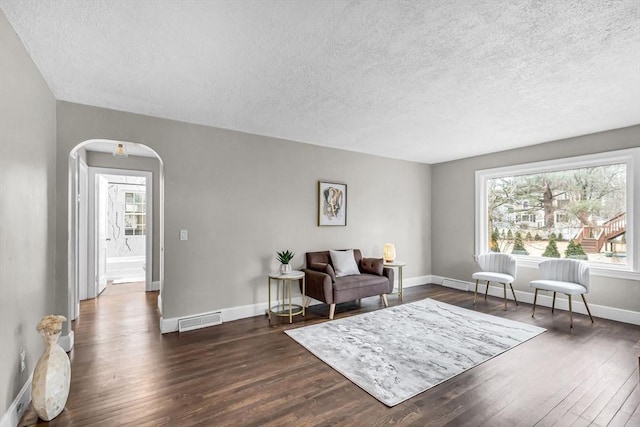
(455, 284)
(611, 313)
(414, 281)
(155, 285)
(229, 314)
(66, 341)
(18, 407)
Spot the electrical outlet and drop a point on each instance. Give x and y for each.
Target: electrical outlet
(184, 235)
(20, 408)
(23, 355)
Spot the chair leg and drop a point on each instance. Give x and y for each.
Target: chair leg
(384, 300)
(332, 311)
(504, 289)
(553, 303)
(585, 304)
(486, 291)
(570, 314)
(535, 297)
(475, 295)
(514, 294)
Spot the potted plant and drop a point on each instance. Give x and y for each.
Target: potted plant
(284, 257)
(575, 251)
(552, 248)
(518, 246)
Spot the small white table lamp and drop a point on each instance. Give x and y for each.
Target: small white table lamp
(389, 252)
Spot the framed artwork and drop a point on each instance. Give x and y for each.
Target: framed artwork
(332, 203)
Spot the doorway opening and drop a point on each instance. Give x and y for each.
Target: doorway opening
(122, 233)
(115, 221)
(126, 225)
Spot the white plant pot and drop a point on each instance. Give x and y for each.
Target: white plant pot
(285, 268)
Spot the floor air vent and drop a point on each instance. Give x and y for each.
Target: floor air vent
(197, 322)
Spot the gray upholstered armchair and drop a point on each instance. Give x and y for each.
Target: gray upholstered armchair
(323, 284)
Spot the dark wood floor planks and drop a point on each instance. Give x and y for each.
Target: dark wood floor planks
(249, 373)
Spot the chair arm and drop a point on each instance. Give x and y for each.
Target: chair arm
(319, 286)
(389, 274)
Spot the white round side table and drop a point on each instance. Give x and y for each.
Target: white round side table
(284, 300)
(398, 265)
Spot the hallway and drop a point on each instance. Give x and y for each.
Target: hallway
(114, 362)
(122, 288)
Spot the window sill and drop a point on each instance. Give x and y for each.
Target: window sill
(595, 270)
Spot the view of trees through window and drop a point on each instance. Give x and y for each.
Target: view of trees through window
(577, 213)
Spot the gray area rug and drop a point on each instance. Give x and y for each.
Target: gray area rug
(398, 352)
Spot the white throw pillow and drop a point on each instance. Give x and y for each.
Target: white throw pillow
(344, 263)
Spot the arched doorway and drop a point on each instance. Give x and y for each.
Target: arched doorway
(125, 158)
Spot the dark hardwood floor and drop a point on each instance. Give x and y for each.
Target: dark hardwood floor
(249, 373)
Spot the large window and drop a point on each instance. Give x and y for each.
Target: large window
(581, 207)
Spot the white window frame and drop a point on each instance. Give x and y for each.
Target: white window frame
(630, 157)
(144, 214)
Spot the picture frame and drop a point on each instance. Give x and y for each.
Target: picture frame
(332, 204)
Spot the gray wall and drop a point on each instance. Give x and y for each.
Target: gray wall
(105, 160)
(27, 211)
(243, 197)
(453, 212)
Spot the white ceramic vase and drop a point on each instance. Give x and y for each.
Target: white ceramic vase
(285, 268)
(51, 379)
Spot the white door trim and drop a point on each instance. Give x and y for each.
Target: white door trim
(81, 259)
(93, 171)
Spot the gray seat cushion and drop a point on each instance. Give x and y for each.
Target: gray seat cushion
(361, 280)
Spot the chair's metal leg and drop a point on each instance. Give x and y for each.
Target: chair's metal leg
(535, 297)
(504, 289)
(475, 295)
(553, 303)
(514, 294)
(585, 304)
(570, 314)
(486, 291)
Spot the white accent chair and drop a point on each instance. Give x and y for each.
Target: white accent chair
(496, 267)
(569, 276)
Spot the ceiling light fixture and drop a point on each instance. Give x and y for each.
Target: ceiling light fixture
(120, 151)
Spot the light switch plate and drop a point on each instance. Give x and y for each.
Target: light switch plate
(184, 235)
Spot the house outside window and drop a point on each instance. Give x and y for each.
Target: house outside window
(581, 207)
(135, 214)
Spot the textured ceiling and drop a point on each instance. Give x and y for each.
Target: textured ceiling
(427, 81)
